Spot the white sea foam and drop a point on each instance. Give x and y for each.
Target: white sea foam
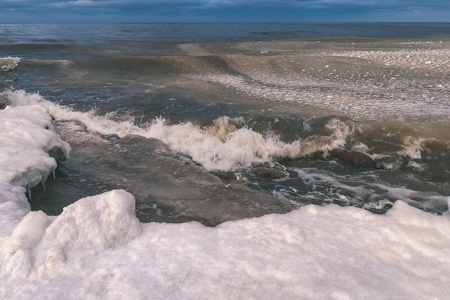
(438, 59)
(9, 63)
(220, 147)
(372, 102)
(372, 194)
(97, 249)
(413, 147)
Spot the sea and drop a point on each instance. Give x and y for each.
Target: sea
(213, 122)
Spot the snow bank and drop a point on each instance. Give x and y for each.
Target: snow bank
(91, 224)
(312, 253)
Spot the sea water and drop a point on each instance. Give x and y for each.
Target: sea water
(221, 122)
(236, 97)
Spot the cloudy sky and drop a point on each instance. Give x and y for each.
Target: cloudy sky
(224, 10)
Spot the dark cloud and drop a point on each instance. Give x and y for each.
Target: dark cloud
(223, 10)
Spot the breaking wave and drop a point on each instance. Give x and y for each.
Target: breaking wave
(222, 146)
(9, 63)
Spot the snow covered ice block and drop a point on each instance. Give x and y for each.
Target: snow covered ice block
(88, 226)
(98, 222)
(27, 136)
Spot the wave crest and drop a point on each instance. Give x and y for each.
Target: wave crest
(9, 63)
(228, 144)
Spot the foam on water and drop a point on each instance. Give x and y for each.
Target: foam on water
(9, 63)
(366, 191)
(219, 147)
(431, 59)
(342, 78)
(371, 103)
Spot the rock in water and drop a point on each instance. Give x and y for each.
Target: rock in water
(220, 175)
(4, 102)
(359, 159)
(57, 153)
(268, 173)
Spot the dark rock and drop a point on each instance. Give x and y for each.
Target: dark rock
(57, 154)
(359, 159)
(220, 175)
(268, 173)
(4, 102)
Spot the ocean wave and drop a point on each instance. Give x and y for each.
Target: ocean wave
(221, 146)
(9, 63)
(229, 143)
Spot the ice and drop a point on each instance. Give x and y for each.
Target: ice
(312, 253)
(27, 135)
(93, 223)
(97, 222)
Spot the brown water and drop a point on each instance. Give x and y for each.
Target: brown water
(240, 126)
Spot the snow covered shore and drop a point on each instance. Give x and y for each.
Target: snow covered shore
(96, 249)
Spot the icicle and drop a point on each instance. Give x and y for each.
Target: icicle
(44, 180)
(29, 192)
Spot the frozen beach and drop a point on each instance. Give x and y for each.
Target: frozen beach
(140, 163)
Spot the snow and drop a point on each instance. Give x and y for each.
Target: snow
(97, 222)
(315, 253)
(29, 232)
(96, 249)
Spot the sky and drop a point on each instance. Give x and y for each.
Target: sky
(224, 11)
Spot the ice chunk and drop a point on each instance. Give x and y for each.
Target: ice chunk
(98, 222)
(26, 137)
